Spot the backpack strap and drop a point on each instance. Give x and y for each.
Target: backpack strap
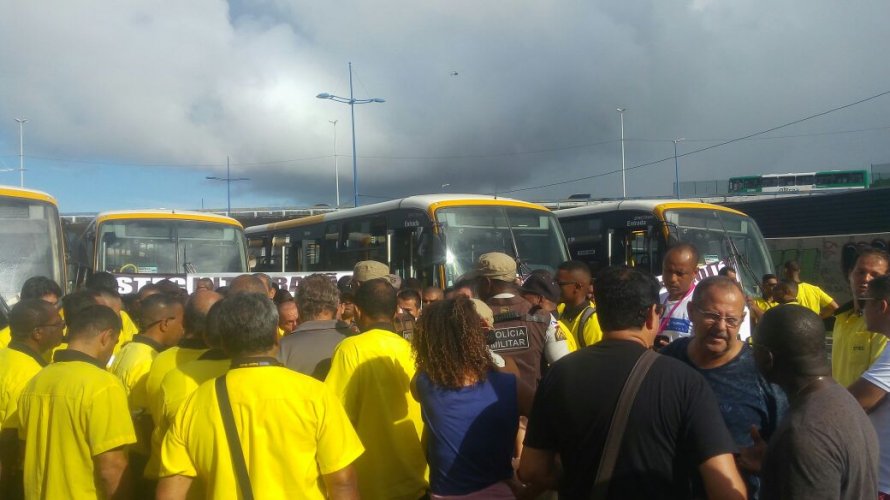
(242, 478)
(585, 316)
(619, 424)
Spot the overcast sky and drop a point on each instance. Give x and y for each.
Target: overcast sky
(132, 104)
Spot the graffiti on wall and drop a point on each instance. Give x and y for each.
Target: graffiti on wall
(825, 261)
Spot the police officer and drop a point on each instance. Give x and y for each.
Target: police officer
(527, 338)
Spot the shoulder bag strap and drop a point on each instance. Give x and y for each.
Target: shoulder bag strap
(228, 418)
(585, 317)
(619, 423)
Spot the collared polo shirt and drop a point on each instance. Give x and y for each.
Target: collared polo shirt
(18, 364)
(592, 332)
(132, 365)
(371, 374)
(812, 297)
(5, 336)
(188, 350)
(70, 412)
(853, 347)
(766, 305)
(290, 438)
(128, 331)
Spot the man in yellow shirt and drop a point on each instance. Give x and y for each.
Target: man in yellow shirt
(370, 374)
(576, 312)
(35, 287)
(762, 304)
(808, 295)
(36, 328)
(854, 348)
(73, 417)
(189, 348)
(293, 437)
(162, 316)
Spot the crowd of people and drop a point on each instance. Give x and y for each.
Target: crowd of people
(376, 387)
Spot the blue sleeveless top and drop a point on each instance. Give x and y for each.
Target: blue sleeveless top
(470, 432)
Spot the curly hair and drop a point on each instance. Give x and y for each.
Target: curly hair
(449, 343)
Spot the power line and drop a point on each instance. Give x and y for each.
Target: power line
(721, 144)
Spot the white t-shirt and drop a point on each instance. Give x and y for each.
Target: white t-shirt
(879, 375)
(675, 322)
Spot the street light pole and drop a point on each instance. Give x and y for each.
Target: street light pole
(336, 166)
(228, 178)
(623, 179)
(22, 122)
(352, 101)
(677, 166)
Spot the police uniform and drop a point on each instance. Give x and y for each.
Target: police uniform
(529, 339)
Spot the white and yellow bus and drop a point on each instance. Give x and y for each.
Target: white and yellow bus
(162, 242)
(31, 241)
(435, 238)
(638, 232)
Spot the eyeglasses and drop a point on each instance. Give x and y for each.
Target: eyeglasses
(710, 318)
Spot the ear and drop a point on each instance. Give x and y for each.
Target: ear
(652, 319)
(885, 306)
(107, 337)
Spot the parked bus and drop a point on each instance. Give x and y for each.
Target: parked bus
(435, 238)
(800, 182)
(638, 232)
(31, 241)
(162, 242)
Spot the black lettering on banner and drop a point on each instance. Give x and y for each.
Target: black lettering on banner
(512, 338)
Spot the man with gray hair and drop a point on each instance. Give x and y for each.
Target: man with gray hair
(306, 446)
(309, 348)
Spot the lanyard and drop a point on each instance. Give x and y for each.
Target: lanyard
(255, 362)
(665, 319)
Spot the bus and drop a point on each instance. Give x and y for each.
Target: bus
(164, 243)
(830, 180)
(32, 243)
(638, 232)
(434, 238)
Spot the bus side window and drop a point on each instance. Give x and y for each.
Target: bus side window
(330, 249)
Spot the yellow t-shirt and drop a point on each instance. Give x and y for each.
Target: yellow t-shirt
(371, 374)
(71, 411)
(766, 305)
(18, 364)
(128, 331)
(853, 347)
(163, 364)
(812, 297)
(289, 437)
(132, 365)
(592, 332)
(5, 336)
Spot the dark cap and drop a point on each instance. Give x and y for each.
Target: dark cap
(541, 284)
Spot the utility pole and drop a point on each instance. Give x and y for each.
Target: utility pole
(22, 122)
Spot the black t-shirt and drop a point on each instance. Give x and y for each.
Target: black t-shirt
(674, 424)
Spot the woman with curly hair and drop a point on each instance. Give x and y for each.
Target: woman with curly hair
(469, 408)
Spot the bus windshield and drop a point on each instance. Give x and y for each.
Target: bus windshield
(531, 235)
(30, 244)
(157, 246)
(724, 236)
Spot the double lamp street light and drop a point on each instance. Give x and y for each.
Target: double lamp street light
(351, 101)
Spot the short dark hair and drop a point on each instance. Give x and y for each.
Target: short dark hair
(194, 319)
(409, 294)
(622, 297)
(248, 324)
(282, 296)
(725, 270)
(74, 303)
(768, 276)
(573, 266)
(376, 299)
(36, 287)
(873, 252)
(879, 288)
(792, 265)
(156, 307)
(212, 336)
(247, 283)
(789, 285)
(315, 294)
(796, 337)
(706, 284)
(91, 321)
(684, 247)
(101, 279)
(27, 315)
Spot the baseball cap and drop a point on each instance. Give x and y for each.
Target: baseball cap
(497, 266)
(368, 270)
(541, 284)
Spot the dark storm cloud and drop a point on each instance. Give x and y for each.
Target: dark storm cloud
(533, 101)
